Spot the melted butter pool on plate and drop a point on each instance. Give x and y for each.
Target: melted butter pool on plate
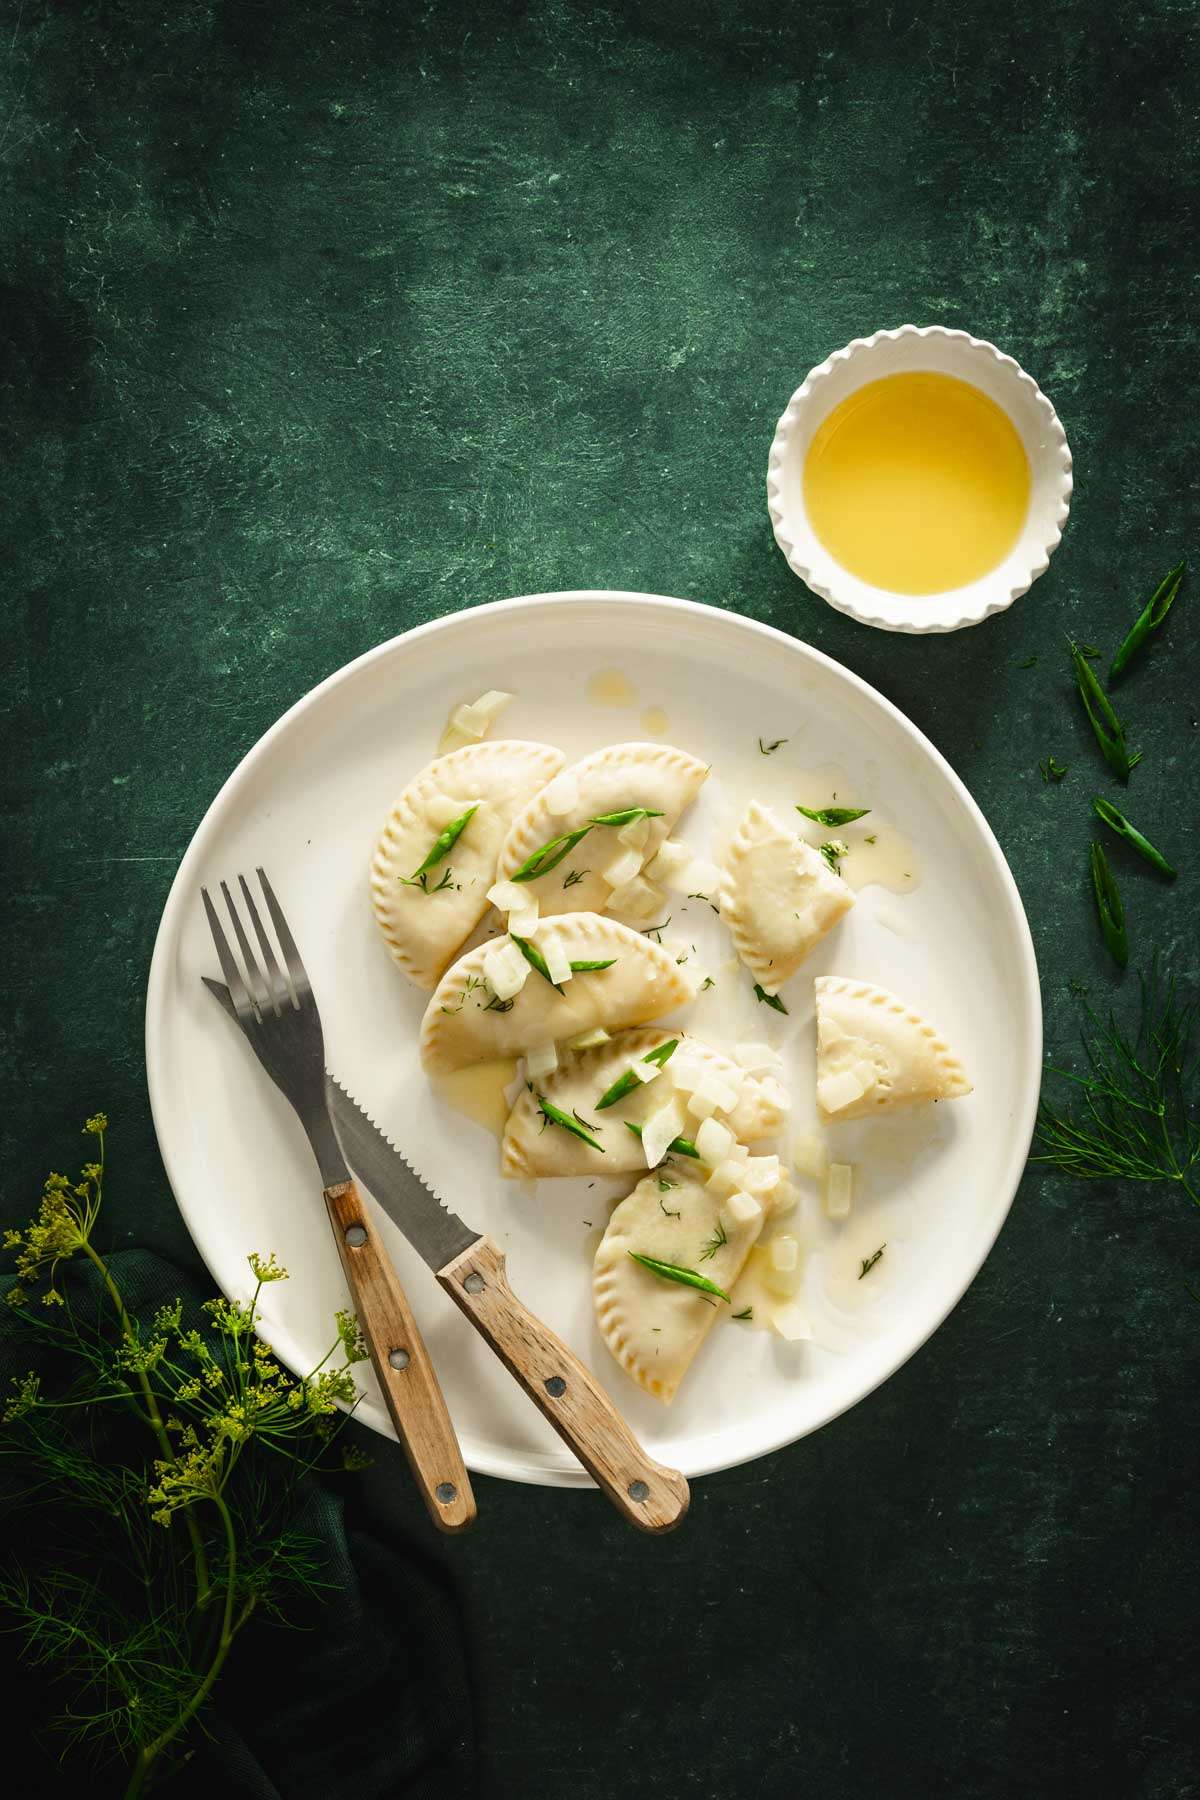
(478, 1092)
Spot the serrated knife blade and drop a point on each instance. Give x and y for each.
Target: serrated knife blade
(431, 1227)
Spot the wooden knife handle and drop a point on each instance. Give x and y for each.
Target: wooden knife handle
(650, 1496)
(401, 1362)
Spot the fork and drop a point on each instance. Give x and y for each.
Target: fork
(278, 1015)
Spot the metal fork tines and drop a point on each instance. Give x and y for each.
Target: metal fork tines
(278, 1014)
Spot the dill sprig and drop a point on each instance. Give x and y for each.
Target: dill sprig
(1135, 1118)
(140, 1426)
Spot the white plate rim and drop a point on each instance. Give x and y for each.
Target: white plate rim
(185, 887)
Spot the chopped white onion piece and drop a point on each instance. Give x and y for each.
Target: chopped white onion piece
(711, 1095)
(561, 796)
(810, 1156)
(638, 899)
(783, 1267)
(774, 1092)
(783, 1198)
(540, 1061)
(760, 1174)
(839, 1190)
(714, 1141)
(646, 1071)
(507, 896)
(836, 1091)
(505, 971)
(634, 834)
(659, 1133)
(670, 862)
(726, 1178)
(558, 963)
(755, 1058)
(623, 868)
(524, 919)
(742, 1208)
(588, 1040)
(790, 1322)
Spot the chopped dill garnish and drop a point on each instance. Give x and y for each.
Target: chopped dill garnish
(748, 1313)
(716, 1242)
(707, 983)
(771, 1000)
(574, 876)
(666, 1209)
(868, 1262)
(770, 749)
(1052, 769)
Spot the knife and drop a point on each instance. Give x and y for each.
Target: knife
(471, 1269)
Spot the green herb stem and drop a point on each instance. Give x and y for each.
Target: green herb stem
(834, 815)
(1150, 618)
(1108, 729)
(445, 841)
(625, 1084)
(681, 1146)
(685, 1277)
(1105, 810)
(566, 1122)
(1109, 906)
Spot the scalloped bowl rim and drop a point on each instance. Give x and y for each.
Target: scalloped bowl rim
(921, 613)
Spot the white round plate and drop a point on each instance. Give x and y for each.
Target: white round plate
(308, 801)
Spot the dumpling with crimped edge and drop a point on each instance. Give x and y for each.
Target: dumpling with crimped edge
(655, 776)
(531, 1151)
(654, 1326)
(424, 927)
(464, 1024)
(875, 1053)
(778, 896)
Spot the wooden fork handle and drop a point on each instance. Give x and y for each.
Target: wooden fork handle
(648, 1495)
(401, 1362)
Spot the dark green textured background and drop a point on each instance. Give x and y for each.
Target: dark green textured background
(320, 321)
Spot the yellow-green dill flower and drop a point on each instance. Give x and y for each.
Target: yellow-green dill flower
(97, 1124)
(350, 1337)
(23, 1399)
(139, 1358)
(169, 1318)
(354, 1460)
(266, 1269)
(16, 1295)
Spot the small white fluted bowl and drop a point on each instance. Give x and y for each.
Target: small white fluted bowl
(1002, 380)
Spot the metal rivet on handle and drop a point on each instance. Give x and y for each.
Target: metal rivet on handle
(638, 1490)
(398, 1359)
(446, 1492)
(474, 1283)
(356, 1236)
(555, 1385)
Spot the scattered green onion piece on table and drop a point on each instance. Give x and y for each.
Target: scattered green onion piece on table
(549, 856)
(771, 1000)
(1108, 906)
(625, 1084)
(566, 1122)
(1104, 809)
(681, 1146)
(673, 1272)
(1110, 733)
(1052, 769)
(445, 841)
(1152, 616)
(834, 815)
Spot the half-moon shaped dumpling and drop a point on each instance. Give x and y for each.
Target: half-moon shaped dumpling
(530, 1149)
(465, 1021)
(778, 897)
(653, 1325)
(423, 926)
(610, 781)
(874, 1052)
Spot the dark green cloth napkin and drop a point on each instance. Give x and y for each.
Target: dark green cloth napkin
(365, 1695)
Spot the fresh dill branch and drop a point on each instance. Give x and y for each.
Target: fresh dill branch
(1134, 1114)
